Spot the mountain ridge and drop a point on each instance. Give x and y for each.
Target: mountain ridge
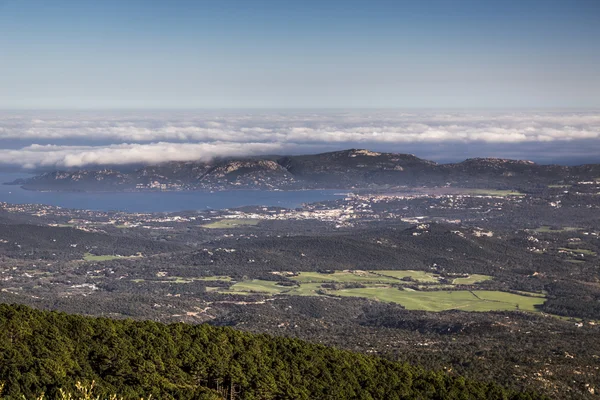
(345, 169)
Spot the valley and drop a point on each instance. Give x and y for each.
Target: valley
(460, 280)
(480, 281)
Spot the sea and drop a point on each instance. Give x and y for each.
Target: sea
(144, 202)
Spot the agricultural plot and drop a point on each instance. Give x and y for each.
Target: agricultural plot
(383, 276)
(231, 223)
(471, 279)
(525, 301)
(93, 257)
(493, 192)
(169, 280)
(377, 285)
(273, 288)
(345, 277)
(257, 286)
(305, 289)
(177, 279)
(442, 300)
(548, 229)
(418, 276)
(575, 252)
(180, 279)
(213, 278)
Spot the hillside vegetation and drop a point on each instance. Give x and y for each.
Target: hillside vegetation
(49, 352)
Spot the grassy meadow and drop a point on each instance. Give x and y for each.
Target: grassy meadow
(231, 223)
(388, 286)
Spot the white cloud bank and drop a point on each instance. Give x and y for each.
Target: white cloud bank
(301, 127)
(153, 137)
(35, 156)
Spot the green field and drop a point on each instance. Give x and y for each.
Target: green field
(493, 192)
(305, 289)
(383, 286)
(213, 278)
(180, 279)
(534, 294)
(383, 276)
(258, 286)
(419, 276)
(548, 229)
(442, 300)
(345, 277)
(272, 288)
(177, 279)
(231, 223)
(471, 279)
(575, 261)
(170, 280)
(585, 252)
(93, 257)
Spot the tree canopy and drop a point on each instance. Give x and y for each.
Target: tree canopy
(44, 352)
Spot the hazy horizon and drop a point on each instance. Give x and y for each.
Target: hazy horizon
(71, 139)
(89, 83)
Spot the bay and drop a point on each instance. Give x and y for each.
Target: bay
(159, 201)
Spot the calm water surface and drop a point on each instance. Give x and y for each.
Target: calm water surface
(160, 201)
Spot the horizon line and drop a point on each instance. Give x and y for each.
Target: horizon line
(32, 109)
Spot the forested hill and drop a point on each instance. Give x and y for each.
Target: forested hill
(44, 351)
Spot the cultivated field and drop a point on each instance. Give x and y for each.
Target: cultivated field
(418, 276)
(387, 286)
(231, 223)
(548, 229)
(471, 279)
(179, 279)
(442, 300)
(345, 277)
(213, 278)
(493, 192)
(93, 257)
(584, 252)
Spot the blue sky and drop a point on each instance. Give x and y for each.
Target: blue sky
(65, 54)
